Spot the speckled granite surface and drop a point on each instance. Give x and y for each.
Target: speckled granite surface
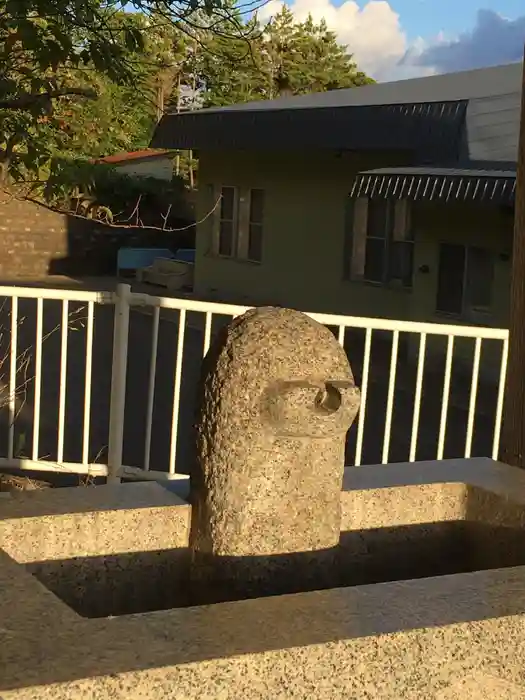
(413, 640)
(105, 549)
(443, 638)
(270, 436)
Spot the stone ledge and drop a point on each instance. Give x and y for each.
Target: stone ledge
(414, 639)
(409, 639)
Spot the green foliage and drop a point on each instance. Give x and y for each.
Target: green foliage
(99, 191)
(305, 57)
(77, 72)
(84, 78)
(283, 57)
(53, 50)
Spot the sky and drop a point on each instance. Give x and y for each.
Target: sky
(397, 39)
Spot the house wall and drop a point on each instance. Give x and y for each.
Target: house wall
(160, 168)
(304, 223)
(481, 225)
(303, 247)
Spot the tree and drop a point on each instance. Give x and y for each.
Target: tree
(57, 55)
(284, 57)
(230, 68)
(123, 117)
(304, 57)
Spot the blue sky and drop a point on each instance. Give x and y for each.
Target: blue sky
(396, 39)
(428, 17)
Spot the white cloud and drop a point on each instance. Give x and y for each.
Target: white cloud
(373, 33)
(493, 40)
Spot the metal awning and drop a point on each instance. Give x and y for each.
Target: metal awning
(437, 184)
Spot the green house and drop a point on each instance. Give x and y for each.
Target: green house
(392, 200)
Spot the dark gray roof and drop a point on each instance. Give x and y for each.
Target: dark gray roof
(444, 119)
(430, 130)
(467, 170)
(450, 87)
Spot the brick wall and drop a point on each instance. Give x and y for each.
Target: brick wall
(29, 237)
(35, 241)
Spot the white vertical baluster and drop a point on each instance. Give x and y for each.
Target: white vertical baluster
(13, 360)
(119, 369)
(446, 397)
(63, 380)
(501, 396)
(473, 397)
(341, 335)
(151, 385)
(417, 397)
(87, 385)
(38, 377)
(364, 392)
(390, 397)
(176, 390)
(207, 333)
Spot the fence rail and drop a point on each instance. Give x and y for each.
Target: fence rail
(410, 395)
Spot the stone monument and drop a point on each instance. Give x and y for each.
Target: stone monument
(276, 399)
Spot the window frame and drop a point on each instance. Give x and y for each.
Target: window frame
(241, 223)
(379, 241)
(357, 236)
(469, 312)
(234, 221)
(255, 224)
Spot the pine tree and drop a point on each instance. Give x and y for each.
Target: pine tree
(284, 57)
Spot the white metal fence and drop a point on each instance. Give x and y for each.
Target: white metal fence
(407, 391)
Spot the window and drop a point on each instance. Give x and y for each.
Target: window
(255, 225)
(382, 247)
(228, 223)
(239, 224)
(378, 227)
(465, 280)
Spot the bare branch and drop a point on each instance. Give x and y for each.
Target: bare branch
(138, 219)
(165, 217)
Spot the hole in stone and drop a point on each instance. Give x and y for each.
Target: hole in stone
(328, 399)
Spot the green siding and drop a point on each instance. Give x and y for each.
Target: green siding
(305, 210)
(484, 226)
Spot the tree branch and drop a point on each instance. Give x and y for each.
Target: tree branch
(124, 225)
(28, 100)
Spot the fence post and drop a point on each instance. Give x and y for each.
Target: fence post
(513, 433)
(118, 382)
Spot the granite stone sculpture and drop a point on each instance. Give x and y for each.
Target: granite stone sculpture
(276, 399)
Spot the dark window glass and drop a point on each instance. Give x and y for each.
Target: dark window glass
(256, 206)
(375, 258)
(480, 276)
(401, 261)
(451, 278)
(255, 243)
(409, 222)
(226, 238)
(378, 216)
(228, 203)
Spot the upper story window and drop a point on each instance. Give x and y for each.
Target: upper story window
(239, 225)
(380, 242)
